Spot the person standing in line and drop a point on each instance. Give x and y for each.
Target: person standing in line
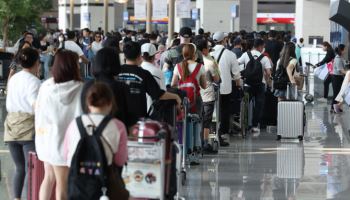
(148, 52)
(330, 55)
(96, 44)
(58, 103)
(289, 62)
(208, 95)
(19, 132)
(229, 69)
(258, 91)
(338, 75)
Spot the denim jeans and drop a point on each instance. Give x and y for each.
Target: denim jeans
(46, 59)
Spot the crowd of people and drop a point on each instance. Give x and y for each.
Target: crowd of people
(48, 89)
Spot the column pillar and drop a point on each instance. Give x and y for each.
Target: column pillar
(71, 14)
(106, 7)
(171, 22)
(149, 17)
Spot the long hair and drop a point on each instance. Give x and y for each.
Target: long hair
(287, 53)
(339, 49)
(188, 52)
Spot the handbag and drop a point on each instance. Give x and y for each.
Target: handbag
(322, 72)
(116, 185)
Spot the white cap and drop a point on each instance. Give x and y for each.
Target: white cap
(219, 36)
(148, 48)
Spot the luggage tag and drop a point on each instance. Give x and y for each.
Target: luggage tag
(104, 194)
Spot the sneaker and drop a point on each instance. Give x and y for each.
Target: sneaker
(194, 159)
(255, 130)
(223, 143)
(337, 108)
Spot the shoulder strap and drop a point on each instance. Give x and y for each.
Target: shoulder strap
(196, 71)
(250, 55)
(98, 131)
(219, 58)
(81, 127)
(63, 45)
(260, 57)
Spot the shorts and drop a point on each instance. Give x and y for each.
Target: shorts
(280, 93)
(208, 109)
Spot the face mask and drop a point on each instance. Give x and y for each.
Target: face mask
(60, 39)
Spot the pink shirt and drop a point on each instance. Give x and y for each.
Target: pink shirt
(114, 134)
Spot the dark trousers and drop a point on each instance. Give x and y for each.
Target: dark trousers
(326, 84)
(337, 81)
(19, 153)
(225, 110)
(258, 93)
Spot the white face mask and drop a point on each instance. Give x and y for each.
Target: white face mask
(60, 39)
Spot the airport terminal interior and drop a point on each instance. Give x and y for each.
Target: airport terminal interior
(254, 165)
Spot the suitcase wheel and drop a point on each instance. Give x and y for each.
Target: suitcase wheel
(300, 137)
(279, 137)
(183, 178)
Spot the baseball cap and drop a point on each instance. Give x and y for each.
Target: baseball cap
(186, 32)
(218, 36)
(148, 48)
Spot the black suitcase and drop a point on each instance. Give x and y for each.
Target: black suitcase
(269, 117)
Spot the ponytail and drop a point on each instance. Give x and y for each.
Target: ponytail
(185, 69)
(188, 52)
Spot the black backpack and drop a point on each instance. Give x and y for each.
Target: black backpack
(280, 78)
(253, 72)
(89, 175)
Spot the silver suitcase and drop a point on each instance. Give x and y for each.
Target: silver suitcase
(290, 118)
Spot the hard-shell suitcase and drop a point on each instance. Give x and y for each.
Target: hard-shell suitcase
(291, 118)
(35, 175)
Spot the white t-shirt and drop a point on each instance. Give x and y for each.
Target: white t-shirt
(96, 46)
(71, 45)
(191, 67)
(157, 75)
(266, 64)
(211, 70)
(23, 88)
(228, 66)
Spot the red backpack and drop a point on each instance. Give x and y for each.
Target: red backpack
(190, 86)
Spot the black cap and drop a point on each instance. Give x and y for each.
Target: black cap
(186, 32)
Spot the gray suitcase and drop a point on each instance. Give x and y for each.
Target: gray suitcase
(291, 117)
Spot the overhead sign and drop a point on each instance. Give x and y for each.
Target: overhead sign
(125, 15)
(160, 9)
(195, 14)
(140, 8)
(234, 11)
(183, 8)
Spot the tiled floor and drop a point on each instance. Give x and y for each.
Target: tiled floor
(261, 167)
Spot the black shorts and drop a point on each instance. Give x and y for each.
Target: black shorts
(207, 113)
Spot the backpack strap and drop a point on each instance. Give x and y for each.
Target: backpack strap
(179, 69)
(250, 55)
(219, 58)
(196, 71)
(98, 131)
(81, 127)
(260, 57)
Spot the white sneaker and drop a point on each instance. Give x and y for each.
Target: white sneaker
(255, 130)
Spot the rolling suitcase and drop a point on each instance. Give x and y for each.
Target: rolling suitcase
(35, 177)
(291, 117)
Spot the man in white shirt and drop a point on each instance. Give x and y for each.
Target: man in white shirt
(148, 52)
(257, 91)
(71, 45)
(229, 69)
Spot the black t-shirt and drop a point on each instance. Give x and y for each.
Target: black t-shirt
(120, 91)
(140, 83)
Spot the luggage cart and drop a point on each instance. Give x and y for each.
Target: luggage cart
(244, 115)
(183, 142)
(308, 96)
(144, 175)
(214, 133)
